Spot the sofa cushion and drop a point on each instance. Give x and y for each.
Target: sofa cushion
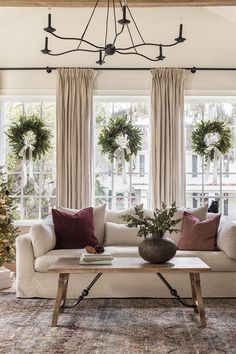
(226, 238)
(198, 235)
(200, 213)
(121, 235)
(217, 260)
(99, 213)
(43, 238)
(116, 216)
(74, 231)
(42, 263)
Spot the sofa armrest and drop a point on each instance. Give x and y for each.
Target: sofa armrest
(226, 238)
(24, 263)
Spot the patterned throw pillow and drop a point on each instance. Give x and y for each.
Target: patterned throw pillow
(197, 235)
(74, 231)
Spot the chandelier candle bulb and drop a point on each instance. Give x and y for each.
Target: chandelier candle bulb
(161, 56)
(46, 50)
(180, 39)
(124, 20)
(49, 29)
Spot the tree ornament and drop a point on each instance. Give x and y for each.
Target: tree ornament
(120, 140)
(29, 139)
(212, 139)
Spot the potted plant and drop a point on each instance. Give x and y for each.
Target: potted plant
(155, 248)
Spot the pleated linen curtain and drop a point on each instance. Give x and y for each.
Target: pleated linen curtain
(74, 129)
(167, 136)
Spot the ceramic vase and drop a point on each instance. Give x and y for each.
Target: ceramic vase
(157, 249)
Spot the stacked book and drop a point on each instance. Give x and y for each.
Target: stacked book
(102, 258)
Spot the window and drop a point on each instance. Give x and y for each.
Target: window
(35, 200)
(109, 187)
(198, 189)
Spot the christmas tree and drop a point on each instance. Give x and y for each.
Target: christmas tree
(8, 232)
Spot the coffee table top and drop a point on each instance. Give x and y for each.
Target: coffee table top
(131, 265)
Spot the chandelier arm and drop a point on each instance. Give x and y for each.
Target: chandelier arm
(91, 16)
(114, 14)
(141, 55)
(73, 50)
(78, 39)
(148, 44)
(118, 34)
(107, 22)
(136, 26)
(131, 38)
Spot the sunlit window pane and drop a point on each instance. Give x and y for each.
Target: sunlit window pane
(120, 191)
(201, 188)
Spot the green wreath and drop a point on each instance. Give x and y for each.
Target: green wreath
(120, 127)
(217, 131)
(29, 131)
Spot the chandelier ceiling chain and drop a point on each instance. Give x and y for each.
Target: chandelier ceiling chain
(109, 49)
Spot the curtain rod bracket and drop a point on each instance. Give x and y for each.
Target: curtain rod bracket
(194, 70)
(49, 70)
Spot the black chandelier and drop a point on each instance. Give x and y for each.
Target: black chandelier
(109, 48)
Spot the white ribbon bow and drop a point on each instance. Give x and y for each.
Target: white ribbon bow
(119, 153)
(211, 139)
(29, 139)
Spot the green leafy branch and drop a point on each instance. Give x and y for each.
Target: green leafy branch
(161, 222)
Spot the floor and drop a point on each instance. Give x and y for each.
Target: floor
(102, 326)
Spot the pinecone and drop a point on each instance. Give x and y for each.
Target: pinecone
(90, 249)
(99, 249)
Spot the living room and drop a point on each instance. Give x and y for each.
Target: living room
(118, 156)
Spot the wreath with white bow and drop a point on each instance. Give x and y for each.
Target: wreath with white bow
(120, 134)
(29, 139)
(211, 137)
(120, 140)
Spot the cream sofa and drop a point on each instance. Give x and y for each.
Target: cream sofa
(35, 254)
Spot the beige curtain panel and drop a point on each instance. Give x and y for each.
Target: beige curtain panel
(74, 127)
(167, 135)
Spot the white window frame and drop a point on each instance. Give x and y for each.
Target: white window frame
(22, 99)
(126, 97)
(201, 98)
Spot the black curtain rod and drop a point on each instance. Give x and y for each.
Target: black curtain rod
(51, 68)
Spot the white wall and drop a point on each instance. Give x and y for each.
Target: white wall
(210, 42)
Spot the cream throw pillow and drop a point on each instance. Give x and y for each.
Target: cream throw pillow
(121, 235)
(43, 238)
(115, 216)
(99, 213)
(200, 213)
(226, 238)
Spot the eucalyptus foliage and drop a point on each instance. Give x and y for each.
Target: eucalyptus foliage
(161, 222)
(32, 123)
(115, 127)
(205, 127)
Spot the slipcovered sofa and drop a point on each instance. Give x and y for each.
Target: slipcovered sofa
(35, 254)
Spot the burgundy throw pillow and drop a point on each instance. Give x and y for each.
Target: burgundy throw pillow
(74, 231)
(197, 235)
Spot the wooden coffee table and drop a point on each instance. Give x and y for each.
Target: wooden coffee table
(191, 265)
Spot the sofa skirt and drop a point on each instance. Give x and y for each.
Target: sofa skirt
(44, 285)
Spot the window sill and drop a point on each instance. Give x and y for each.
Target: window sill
(19, 223)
